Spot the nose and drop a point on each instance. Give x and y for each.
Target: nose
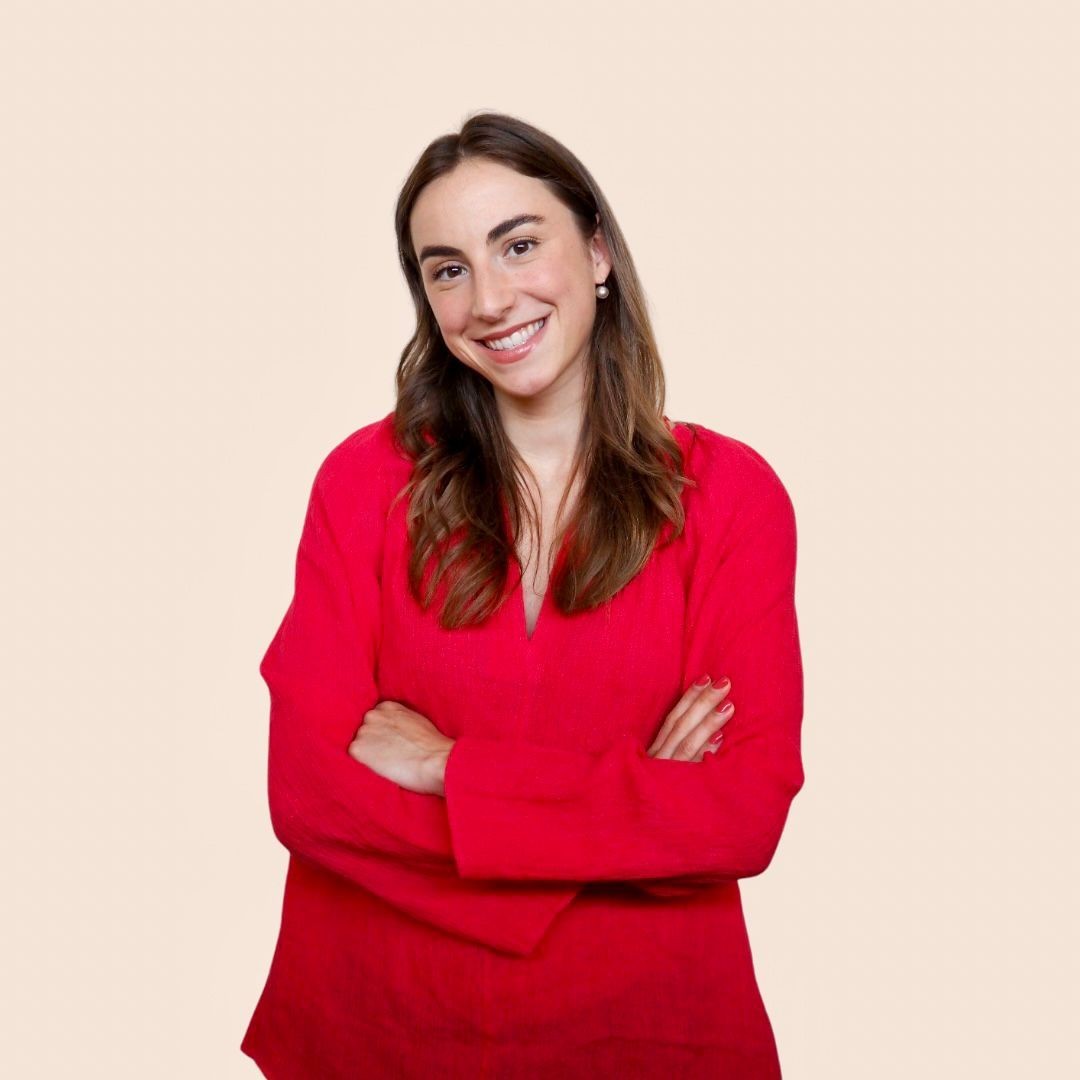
(492, 294)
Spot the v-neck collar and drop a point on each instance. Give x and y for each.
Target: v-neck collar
(523, 613)
(547, 610)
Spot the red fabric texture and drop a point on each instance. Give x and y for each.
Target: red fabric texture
(571, 906)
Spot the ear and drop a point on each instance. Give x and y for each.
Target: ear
(600, 252)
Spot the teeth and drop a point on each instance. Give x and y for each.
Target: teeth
(516, 338)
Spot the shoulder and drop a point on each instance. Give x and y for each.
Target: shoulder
(732, 469)
(360, 474)
(365, 453)
(734, 482)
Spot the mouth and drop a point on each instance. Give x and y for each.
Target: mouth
(513, 345)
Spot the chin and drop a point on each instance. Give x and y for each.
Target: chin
(524, 388)
(533, 384)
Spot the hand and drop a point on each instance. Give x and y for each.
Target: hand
(400, 744)
(685, 733)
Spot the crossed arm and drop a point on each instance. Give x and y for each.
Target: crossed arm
(520, 828)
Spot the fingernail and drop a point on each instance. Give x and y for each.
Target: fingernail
(703, 681)
(723, 683)
(726, 709)
(714, 739)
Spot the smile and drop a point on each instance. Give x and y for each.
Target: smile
(516, 339)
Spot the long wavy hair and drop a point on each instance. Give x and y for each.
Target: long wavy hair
(466, 491)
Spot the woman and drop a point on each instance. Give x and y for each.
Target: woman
(515, 838)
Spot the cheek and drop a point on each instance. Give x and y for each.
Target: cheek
(546, 282)
(562, 283)
(450, 313)
(575, 304)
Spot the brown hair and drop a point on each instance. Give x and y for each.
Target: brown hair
(465, 466)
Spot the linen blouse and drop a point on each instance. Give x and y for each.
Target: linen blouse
(571, 907)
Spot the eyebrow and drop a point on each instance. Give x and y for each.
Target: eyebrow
(500, 230)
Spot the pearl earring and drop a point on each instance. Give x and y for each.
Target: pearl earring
(602, 291)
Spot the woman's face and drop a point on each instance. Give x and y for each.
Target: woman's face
(488, 274)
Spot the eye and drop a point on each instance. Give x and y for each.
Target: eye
(437, 276)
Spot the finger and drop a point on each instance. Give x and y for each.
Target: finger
(700, 739)
(692, 694)
(711, 698)
(684, 718)
(711, 747)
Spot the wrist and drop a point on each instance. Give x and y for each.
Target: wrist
(436, 770)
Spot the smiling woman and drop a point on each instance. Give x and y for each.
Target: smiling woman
(496, 704)
(522, 288)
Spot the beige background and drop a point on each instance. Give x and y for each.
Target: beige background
(857, 225)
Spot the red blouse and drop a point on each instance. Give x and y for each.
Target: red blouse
(571, 908)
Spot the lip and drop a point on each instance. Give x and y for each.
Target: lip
(509, 356)
(511, 329)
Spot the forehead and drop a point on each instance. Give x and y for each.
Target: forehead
(477, 194)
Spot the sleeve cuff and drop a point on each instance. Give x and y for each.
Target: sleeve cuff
(512, 811)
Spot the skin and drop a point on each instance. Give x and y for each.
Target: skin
(536, 270)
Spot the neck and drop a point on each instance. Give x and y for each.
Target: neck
(545, 435)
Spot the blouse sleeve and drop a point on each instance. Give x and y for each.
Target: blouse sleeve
(543, 812)
(333, 811)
